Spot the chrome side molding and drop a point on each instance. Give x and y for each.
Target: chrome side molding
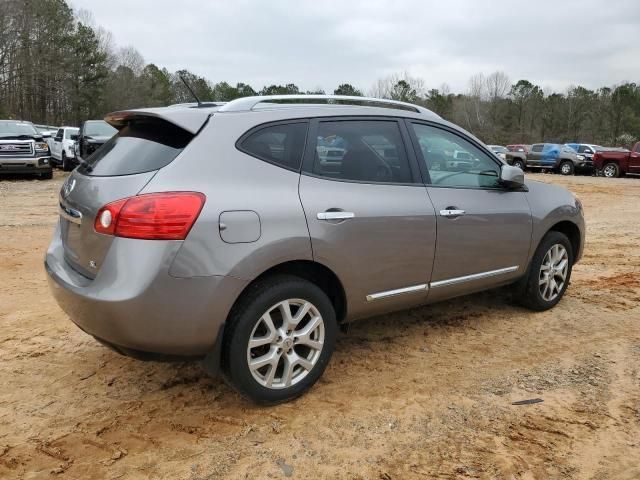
(398, 291)
(475, 276)
(441, 283)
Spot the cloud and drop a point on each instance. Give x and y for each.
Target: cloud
(322, 44)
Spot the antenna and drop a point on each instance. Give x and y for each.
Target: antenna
(190, 90)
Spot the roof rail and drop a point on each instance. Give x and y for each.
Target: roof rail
(246, 104)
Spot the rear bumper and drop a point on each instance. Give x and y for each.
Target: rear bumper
(16, 165)
(135, 305)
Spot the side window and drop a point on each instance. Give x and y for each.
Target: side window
(537, 148)
(361, 150)
(282, 144)
(58, 136)
(637, 149)
(453, 161)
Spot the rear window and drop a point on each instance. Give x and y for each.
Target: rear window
(142, 145)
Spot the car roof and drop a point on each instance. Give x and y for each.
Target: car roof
(293, 106)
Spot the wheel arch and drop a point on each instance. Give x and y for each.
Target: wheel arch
(572, 232)
(315, 272)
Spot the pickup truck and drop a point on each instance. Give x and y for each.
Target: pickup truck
(92, 135)
(550, 156)
(62, 151)
(613, 163)
(23, 150)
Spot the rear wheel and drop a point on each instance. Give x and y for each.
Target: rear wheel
(279, 339)
(549, 272)
(611, 170)
(566, 168)
(519, 164)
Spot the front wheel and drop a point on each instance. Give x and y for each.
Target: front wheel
(566, 168)
(279, 340)
(611, 170)
(549, 272)
(66, 163)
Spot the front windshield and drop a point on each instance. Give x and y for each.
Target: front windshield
(99, 129)
(11, 129)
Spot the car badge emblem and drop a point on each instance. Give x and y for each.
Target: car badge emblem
(68, 187)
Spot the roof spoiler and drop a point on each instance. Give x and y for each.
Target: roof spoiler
(189, 119)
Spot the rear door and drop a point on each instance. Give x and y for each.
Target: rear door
(534, 157)
(484, 230)
(368, 213)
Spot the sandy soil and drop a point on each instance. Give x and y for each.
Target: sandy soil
(421, 394)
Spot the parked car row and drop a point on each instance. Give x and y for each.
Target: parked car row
(27, 148)
(571, 158)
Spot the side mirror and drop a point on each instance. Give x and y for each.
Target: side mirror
(511, 177)
(74, 137)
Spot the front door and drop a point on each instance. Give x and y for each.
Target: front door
(484, 230)
(56, 145)
(634, 159)
(369, 216)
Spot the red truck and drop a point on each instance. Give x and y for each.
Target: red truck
(615, 163)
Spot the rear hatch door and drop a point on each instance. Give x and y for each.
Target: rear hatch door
(119, 169)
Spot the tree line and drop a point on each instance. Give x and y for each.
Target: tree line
(58, 67)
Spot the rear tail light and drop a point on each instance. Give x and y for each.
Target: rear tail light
(154, 216)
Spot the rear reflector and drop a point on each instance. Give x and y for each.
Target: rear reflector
(154, 216)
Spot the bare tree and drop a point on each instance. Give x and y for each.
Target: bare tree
(388, 87)
(130, 57)
(497, 86)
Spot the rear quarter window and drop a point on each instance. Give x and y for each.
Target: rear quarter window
(142, 145)
(281, 144)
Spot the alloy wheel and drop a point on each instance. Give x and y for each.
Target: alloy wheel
(286, 343)
(609, 171)
(553, 272)
(566, 168)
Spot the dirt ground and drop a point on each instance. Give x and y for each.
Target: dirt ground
(420, 394)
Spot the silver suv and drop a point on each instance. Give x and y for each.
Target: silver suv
(249, 233)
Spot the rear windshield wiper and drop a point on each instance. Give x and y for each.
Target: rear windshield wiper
(87, 166)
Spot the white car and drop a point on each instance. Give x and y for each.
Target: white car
(62, 151)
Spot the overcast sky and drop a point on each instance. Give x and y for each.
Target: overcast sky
(323, 43)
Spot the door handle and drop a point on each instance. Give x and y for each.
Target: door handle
(335, 215)
(452, 212)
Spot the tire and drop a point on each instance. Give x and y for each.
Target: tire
(268, 384)
(66, 163)
(519, 164)
(46, 175)
(538, 296)
(566, 168)
(611, 170)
